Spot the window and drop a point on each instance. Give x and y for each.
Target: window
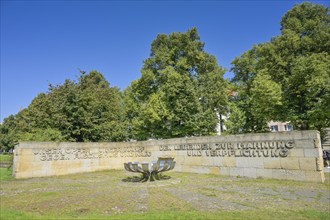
(288, 127)
(274, 128)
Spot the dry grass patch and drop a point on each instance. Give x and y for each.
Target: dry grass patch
(103, 195)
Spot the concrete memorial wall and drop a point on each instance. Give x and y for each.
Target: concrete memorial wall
(293, 155)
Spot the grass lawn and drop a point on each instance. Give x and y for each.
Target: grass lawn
(6, 158)
(6, 174)
(104, 195)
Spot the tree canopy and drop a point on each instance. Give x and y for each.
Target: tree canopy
(288, 78)
(180, 92)
(89, 110)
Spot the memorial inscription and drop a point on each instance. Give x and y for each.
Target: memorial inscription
(234, 149)
(54, 154)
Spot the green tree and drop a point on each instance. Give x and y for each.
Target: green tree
(265, 100)
(297, 67)
(11, 129)
(309, 92)
(89, 110)
(180, 92)
(236, 121)
(94, 110)
(40, 135)
(8, 134)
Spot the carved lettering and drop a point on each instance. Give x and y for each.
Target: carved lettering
(237, 149)
(165, 148)
(194, 153)
(56, 154)
(224, 149)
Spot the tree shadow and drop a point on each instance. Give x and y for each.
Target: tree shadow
(135, 179)
(132, 179)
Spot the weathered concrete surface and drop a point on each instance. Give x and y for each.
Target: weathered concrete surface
(293, 155)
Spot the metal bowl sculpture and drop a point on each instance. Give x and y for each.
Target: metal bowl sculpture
(153, 171)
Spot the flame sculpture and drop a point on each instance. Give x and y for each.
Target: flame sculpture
(153, 171)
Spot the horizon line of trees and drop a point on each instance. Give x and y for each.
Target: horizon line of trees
(182, 91)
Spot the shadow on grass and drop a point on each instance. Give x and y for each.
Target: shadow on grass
(135, 179)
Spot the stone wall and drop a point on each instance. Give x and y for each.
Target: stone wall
(293, 155)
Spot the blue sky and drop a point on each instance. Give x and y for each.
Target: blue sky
(46, 42)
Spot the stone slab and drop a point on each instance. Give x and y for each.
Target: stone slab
(284, 155)
(308, 164)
